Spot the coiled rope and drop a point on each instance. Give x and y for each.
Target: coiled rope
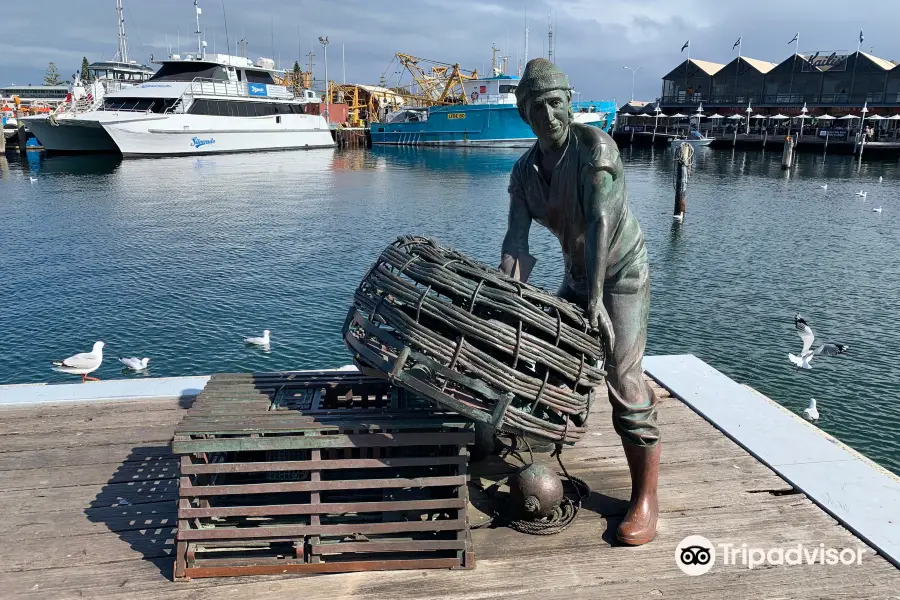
(562, 516)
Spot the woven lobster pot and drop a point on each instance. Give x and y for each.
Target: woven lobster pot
(480, 343)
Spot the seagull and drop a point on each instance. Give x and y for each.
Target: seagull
(811, 413)
(259, 341)
(862, 194)
(880, 179)
(33, 179)
(807, 354)
(824, 187)
(878, 210)
(82, 364)
(678, 217)
(135, 364)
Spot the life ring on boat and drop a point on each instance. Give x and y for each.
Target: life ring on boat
(474, 96)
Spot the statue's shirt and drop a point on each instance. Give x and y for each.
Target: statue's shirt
(586, 189)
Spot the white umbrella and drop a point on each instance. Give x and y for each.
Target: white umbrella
(779, 117)
(894, 117)
(736, 118)
(759, 116)
(825, 118)
(716, 116)
(677, 116)
(846, 117)
(877, 118)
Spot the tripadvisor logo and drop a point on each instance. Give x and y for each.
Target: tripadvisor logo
(696, 555)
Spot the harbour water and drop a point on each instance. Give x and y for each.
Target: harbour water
(178, 259)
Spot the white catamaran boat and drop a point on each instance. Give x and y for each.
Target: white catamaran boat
(209, 103)
(65, 130)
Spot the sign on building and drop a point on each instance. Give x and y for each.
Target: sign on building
(826, 60)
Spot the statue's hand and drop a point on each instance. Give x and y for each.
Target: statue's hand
(599, 320)
(593, 313)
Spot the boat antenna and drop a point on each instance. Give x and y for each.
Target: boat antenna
(526, 33)
(199, 34)
(123, 47)
(549, 38)
(225, 19)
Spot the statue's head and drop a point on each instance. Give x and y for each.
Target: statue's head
(543, 97)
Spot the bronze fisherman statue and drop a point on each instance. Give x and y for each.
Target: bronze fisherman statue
(572, 182)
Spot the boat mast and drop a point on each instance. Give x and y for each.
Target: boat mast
(123, 47)
(199, 35)
(526, 34)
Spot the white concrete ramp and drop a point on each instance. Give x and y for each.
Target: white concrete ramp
(863, 496)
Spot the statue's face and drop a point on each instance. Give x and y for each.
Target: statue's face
(548, 116)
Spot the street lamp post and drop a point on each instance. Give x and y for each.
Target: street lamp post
(803, 112)
(633, 72)
(324, 42)
(749, 110)
(657, 110)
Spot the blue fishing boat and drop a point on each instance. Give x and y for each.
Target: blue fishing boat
(488, 118)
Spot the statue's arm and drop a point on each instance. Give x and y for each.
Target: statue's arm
(602, 197)
(515, 260)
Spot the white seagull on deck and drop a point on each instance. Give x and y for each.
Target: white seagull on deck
(811, 413)
(135, 364)
(259, 341)
(807, 354)
(862, 194)
(824, 187)
(82, 364)
(878, 210)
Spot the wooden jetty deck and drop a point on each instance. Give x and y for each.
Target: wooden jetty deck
(88, 494)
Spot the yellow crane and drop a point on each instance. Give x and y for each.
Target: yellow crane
(442, 85)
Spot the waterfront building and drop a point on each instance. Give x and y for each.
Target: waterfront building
(829, 82)
(32, 94)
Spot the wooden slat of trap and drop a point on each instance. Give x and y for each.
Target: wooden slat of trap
(190, 468)
(291, 442)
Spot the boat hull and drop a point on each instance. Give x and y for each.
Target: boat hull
(71, 135)
(703, 142)
(470, 125)
(191, 135)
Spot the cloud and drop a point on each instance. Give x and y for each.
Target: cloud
(594, 38)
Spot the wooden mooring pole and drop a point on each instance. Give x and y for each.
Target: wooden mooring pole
(787, 154)
(825, 151)
(2, 143)
(765, 138)
(23, 136)
(734, 140)
(684, 159)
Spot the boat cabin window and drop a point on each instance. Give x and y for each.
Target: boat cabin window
(186, 71)
(156, 105)
(259, 77)
(239, 108)
(508, 89)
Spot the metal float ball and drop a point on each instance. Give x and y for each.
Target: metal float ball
(535, 491)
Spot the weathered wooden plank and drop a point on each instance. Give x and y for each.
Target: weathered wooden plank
(188, 468)
(275, 531)
(89, 455)
(197, 491)
(323, 508)
(85, 437)
(49, 477)
(18, 526)
(89, 496)
(362, 440)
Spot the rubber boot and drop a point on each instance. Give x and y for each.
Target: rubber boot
(639, 525)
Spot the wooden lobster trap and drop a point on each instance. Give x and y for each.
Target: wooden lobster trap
(319, 472)
(475, 341)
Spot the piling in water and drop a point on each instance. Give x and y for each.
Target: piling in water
(765, 138)
(734, 140)
(684, 160)
(2, 142)
(787, 154)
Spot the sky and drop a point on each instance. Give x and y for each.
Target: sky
(595, 39)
